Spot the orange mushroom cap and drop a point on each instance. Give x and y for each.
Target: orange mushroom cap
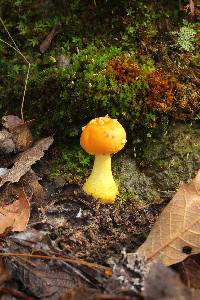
(103, 135)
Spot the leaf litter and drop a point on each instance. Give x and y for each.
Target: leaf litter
(15, 135)
(24, 162)
(50, 244)
(46, 280)
(15, 217)
(176, 234)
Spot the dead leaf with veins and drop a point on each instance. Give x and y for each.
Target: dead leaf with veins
(24, 162)
(176, 233)
(15, 216)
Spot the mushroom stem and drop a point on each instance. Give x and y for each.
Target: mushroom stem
(100, 183)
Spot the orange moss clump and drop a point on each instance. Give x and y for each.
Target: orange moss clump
(160, 92)
(187, 101)
(123, 69)
(167, 94)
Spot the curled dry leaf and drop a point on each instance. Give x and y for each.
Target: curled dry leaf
(10, 122)
(23, 164)
(176, 234)
(19, 131)
(16, 215)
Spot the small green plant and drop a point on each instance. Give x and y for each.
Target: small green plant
(71, 162)
(197, 117)
(186, 37)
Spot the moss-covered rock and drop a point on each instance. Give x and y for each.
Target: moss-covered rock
(174, 157)
(134, 184)
(167, 162)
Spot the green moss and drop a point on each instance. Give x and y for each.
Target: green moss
(72, 163)
(69, 83)
(174, 157)
(133, 184)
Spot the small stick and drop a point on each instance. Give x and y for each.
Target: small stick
(15, 294)
(82, 262)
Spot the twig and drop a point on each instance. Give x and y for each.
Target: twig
(106, 270)
(26, 60)
(15, 294)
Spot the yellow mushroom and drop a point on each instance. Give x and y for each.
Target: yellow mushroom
(102, 137)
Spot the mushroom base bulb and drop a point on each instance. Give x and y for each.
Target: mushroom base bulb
(100, 183)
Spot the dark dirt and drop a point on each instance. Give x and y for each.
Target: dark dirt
(86, 229)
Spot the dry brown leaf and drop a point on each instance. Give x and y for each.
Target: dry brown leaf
(163, 283)
(30, 180)
(6, 142)
(10, 122)
(19, 131)
(22, 138)
(189, 271)
(47, 42)
(4, 274)
(23, 164)
(46, 278)
(176, 234)
(16, 215)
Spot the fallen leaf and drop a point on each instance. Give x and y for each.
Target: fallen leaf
(16, 215)
(4, 274)
(24, 162)
(6, 142)
(19, 131)
(163, 283)
(47, 41)
(45, 280)
(22, 138)
(46, 277)
(176, 233)
(189, 8)
(10, 122)
(189, 271)
(30, 180)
